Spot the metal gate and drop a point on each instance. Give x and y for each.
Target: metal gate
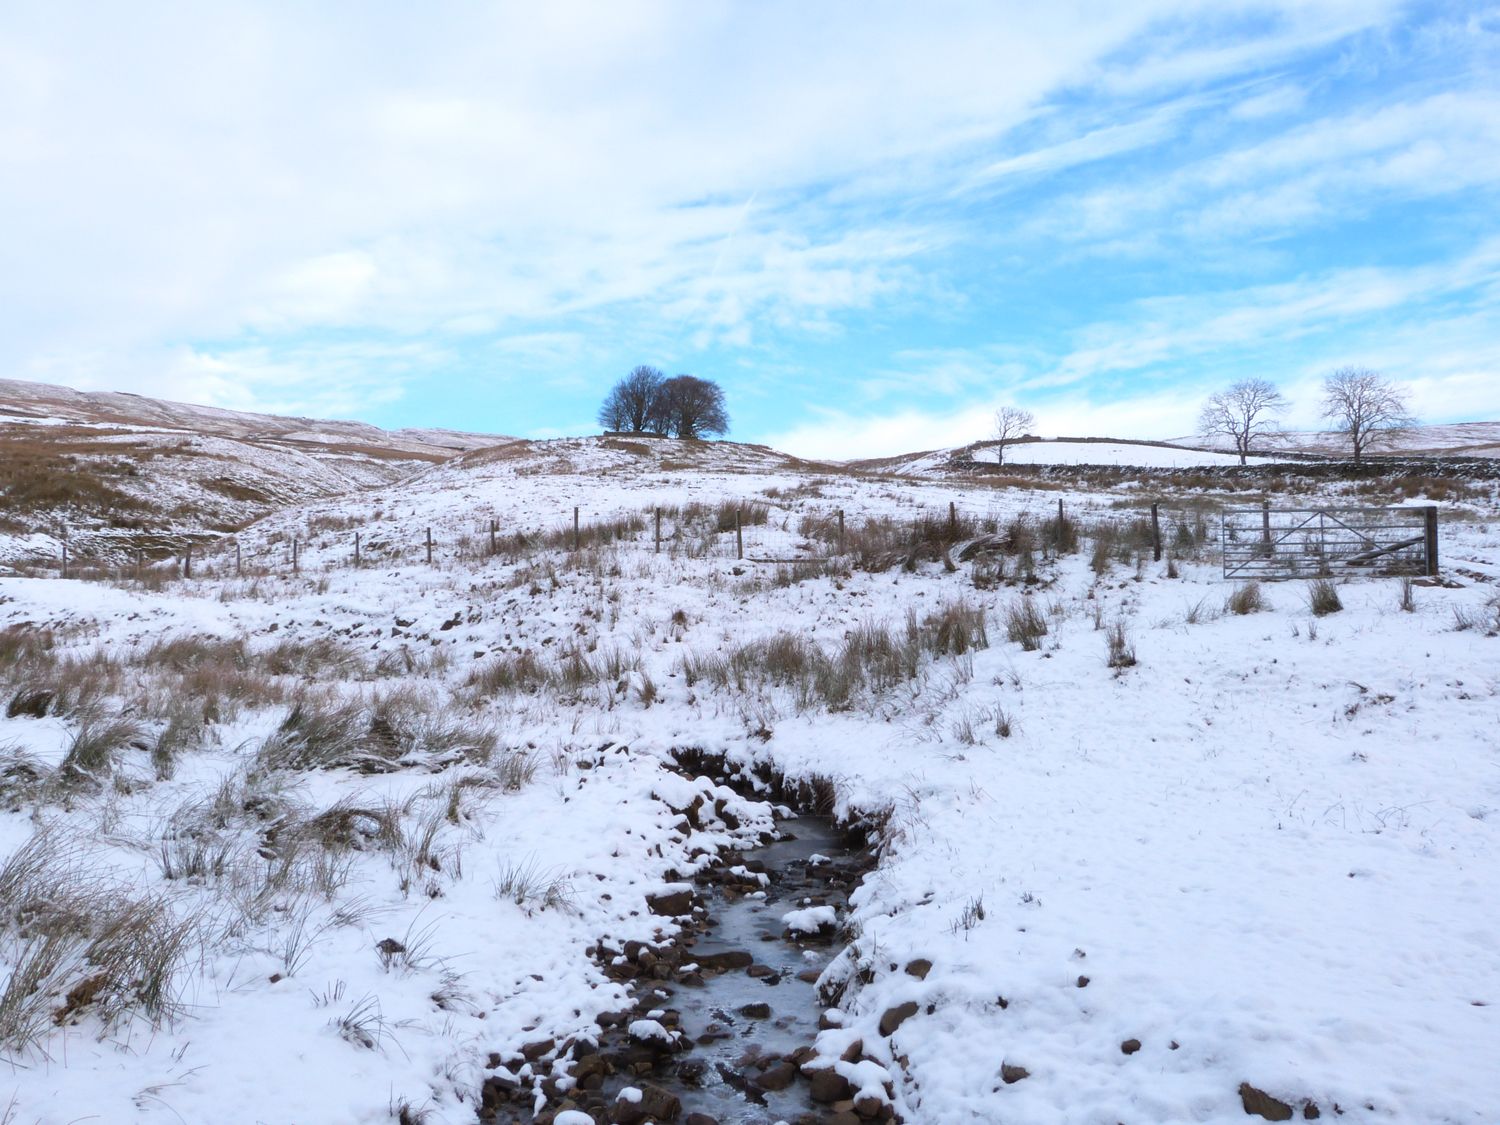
(1274, 543)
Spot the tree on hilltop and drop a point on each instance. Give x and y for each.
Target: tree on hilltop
(1244, 412)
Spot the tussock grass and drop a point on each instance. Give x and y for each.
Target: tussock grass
(1121, 653)
(1323, 597)
(1246, 599)
(95, 744)
(1025, 625)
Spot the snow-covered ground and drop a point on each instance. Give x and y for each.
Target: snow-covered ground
(1268, 852)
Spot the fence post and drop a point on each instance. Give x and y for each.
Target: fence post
(429, 546)
(1155, 533)
(236, 558)
(1430, 535)
(294, 555)
(1059, 515)
(356, 548)
(65, 559)
(140, 557)
(658, 531)
(187, 561)
(575, 527)
(1265, 527)
(493, 549)
(841, 531)
(739, 536)
(952, 518)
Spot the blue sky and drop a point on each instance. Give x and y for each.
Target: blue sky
(872, 224)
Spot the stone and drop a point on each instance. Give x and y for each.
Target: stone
(722, 962)
(777, 1076)
(1011, 1074)
(760, 971)
(1262, 1104)
(853, 1052)
(699, 1119)
(810, 976)
(671, 904)
(895, 1017)
(1130, 1046)
(919, 968)
(756, 1011)
(827, 1085)
(533, 1051)
(1311, 1112)
(868, 1106)
(656, 1104)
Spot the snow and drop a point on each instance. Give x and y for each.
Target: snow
(810, 920)
(1268, 851)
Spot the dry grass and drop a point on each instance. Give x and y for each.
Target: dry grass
(1025, 625)
(1246, 599)
(1323, 597)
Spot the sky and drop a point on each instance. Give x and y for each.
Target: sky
(871, 223)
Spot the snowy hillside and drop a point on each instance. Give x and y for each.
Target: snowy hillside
(1141, 857)
(112, 472)
(1458, 439)
(1061, 451)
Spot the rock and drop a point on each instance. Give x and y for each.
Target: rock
(869, 1106)
(827, 1085)
(778, 1076)
(895, 1017)
(533, 1051)
(853, 1052)
(756, 1011)
(1311, 1112)
(1262, 1104)
(1013, 1074)
(1083, 982)
(1130, 1046)
(671, 904)
(656, 1104)
(810, 976)
(699, 1119)
(722, 962)
(919, 968)
(760, 971)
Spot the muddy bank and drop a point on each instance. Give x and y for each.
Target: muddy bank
(725, 1014)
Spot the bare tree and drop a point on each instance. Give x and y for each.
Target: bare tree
(691, 408)
(1365, 407)
(1011, 422)
(633, 403)
(1243, 413)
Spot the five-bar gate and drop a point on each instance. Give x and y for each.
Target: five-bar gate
(1273, 543)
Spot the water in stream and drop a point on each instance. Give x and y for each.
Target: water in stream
(802, 865)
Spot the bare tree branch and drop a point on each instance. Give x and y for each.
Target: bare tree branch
(1011, 423)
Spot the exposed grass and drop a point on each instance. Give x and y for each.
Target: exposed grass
(1025, 625)
(1121, 653)
(1246, 599)
(1323, 597)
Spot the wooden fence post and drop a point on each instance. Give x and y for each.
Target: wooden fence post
(493, 549)
(65, 558)
(140, 558)
(356, 548)
(739, 536)
(429, 546)
(1155, 532)
(952, 518)
(658, 531)
(187, 561)
(841, 531)
(1059, 514)
(236, 558)
(575, 527)
(1265, 527)
(1430, 536)
(294, 555)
